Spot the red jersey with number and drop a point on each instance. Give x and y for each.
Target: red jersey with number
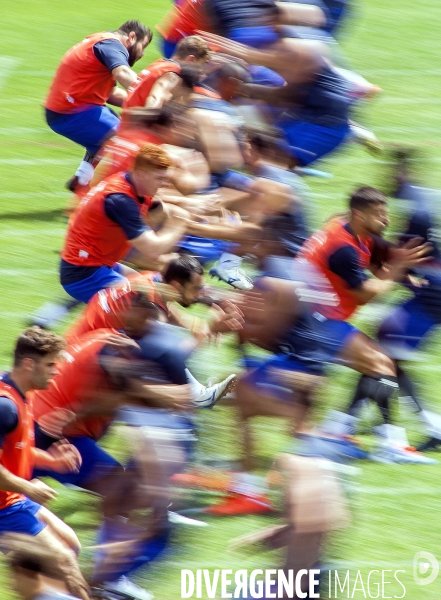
(80, 377)
(17, 456)
(92, 238)
(320, 247)
(106, 309)
(81, 78)
(184, 20)
(139, 91)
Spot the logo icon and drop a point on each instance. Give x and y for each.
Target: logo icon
(425, 568)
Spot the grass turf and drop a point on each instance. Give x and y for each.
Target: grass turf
(394, 507)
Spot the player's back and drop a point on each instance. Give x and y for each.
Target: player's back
(78, 379)
(106, 309)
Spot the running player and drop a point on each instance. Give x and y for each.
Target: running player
(109, 222)
(408, 326)
(85, 81)
(315, 98)
(96, 377)
(21, 500)
(112, 309)
(342, 252)
(156, 84)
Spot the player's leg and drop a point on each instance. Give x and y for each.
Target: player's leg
(53, 537)
(379, 381)
(60, 529)
(279, 388)
(28, 517)
(307, 142)
(102, 278)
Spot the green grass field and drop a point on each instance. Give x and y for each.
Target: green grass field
(393, 44)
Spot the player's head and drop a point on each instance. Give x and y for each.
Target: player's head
(31, 565)
(137, 316)
(36, 354)
(185, 275)
(227, 79)
(151, 169)
(136, 38)
(369, 210)
(188, 77)
(192, 49)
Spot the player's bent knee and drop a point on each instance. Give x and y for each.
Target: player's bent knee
(58, 533)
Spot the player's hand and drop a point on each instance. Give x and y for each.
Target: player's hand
(411, 254)
(221, 44)
(227, 320)
(39, 492)
(66, 457)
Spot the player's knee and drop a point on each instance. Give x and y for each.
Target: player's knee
(383, 364)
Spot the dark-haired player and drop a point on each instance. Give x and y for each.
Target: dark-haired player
(343, 252)
(21, 500)
(113, 307)
(406, 328)
(86, 80)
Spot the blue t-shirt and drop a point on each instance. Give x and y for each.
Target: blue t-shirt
(8, 411)
(111, 53)
(121, 209)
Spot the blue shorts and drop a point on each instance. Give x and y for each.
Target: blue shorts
(204, 249)
(103, 278)
(167, 48)
(21, 517)
(266, 76)
(406, 327)
(307, 142)
(254, 36)
(265, 379)
(96, 464)
(333, 335)
(89, 128)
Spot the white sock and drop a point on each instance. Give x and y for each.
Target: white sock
(196, 387)
(394, 435)
(231, 259)
(339, 423)
(248, 484)
(84, 172)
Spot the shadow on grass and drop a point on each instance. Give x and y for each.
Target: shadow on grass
(44, 215)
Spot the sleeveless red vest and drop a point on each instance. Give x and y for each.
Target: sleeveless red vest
(106, 308)
(139, 91)
(81, 78)
(78, 377)
(317, 250)
(92, 238)
(17, 446)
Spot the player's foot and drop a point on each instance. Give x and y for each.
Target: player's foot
(366, 138)
(49, 315)
(241, 505)
(232, 275)
(394, 447)
(212, 394)
(123, 585)
(430, 444)
(339, 449)
(390, 454)
(72, 183)
(213, 480)
(179, 519)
